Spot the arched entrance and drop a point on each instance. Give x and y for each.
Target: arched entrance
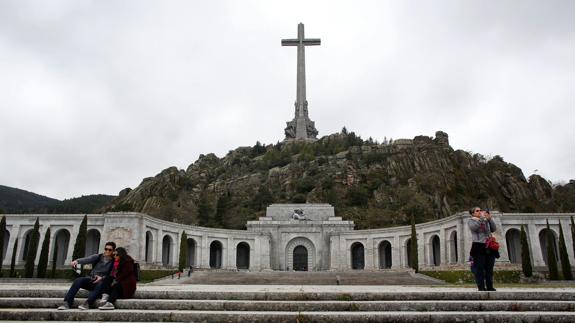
(513, 240)
(435, 251)
(453, 255)
(27, 238)
(304, 257)
(300, 258)
(357, 256)
(62, 242)
(384, 255)
(191, 261)
(92, 242)
(216, 254)
(167, 251)
(243, 256)
(543, 242)
(149, 240)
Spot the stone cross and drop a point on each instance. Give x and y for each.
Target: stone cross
(301, 127)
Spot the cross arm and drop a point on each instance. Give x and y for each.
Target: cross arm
(306, 42)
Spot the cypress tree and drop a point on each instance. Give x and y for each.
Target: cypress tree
(80, 244)
(183, 251)
(204, 210)
(573, 234)
(413, 252)
(551, 257)
(525, 255)
(2, 232)
(32, 250)
(564, 256)
(54, 258)
(13, 262)
(43, 262)
(222, 206)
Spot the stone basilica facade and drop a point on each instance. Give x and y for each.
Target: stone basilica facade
(301, 237)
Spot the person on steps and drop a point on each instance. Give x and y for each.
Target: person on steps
(121, 283)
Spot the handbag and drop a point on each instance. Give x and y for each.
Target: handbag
(492, 244)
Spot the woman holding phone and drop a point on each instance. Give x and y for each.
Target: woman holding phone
(482, 225)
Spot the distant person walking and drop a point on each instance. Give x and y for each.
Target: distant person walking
(101, 266)
(482, 225)
(122, 280)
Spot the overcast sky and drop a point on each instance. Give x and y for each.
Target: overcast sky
(97, 95)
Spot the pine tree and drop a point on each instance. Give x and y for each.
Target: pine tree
(564, 256)
(413, 252)
(2, 232)
(525, 255)
(551, 257)
(54, 258)
(183, 251)
(13, 262)
(43, 261)
(32, 250)
(80, 245)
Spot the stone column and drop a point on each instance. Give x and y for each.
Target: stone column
(396, 253)
(205, 253)
(231, 254)
(443, 242)
(369, 254)
(533, 237)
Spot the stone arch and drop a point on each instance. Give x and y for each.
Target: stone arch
(167, 246)
(513, 240)
(453, 251)
(92, 242)
(543, 243)
(308, 245)
(149, 252)
(384, 254)
(6, 241)
(357, 251)
(191, 261)
(435, 250)
(216, 250)
(24, 249)
(62, 243)
(243, 255)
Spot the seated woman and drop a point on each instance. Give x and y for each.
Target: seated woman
(121, 282)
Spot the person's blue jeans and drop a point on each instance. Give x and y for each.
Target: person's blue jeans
(85, 283)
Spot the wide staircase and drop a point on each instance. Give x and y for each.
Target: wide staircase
(292, 303)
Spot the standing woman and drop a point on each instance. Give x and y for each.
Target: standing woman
(122, 280)
(482, 225)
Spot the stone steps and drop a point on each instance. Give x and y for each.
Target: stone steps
(280, 317)
(195, 303)
(309, 306)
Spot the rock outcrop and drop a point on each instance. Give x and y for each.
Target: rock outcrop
(373, 184)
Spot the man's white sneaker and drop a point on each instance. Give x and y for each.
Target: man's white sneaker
(84, 306)
(107, 306)
(104, 299)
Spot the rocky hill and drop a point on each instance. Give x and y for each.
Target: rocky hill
(374, 184)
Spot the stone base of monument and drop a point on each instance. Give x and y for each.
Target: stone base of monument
(249, 303)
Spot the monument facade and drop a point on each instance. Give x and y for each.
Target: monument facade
(301, 237)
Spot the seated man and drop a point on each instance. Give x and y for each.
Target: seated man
(101, 267)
